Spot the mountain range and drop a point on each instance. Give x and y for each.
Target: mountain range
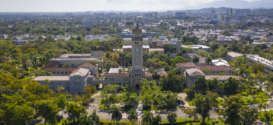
(240, 4)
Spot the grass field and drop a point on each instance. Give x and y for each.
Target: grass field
(244, 99)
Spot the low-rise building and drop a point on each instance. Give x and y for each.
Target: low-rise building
(192, 75)
(97, 53)
(233, 55)
(219, 62)
(74, 83)
(257, 59)
(190, 56)
(215, 70)
(3, 36)
(184, 66)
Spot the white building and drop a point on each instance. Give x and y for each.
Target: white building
(220, 62)
(257, 59)
(74, 83)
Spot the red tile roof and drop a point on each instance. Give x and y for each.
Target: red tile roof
(51, 65)
(148, 74)
(87, 65)
(185, 64)
(59, 69)
(215, 67)
(91, 76)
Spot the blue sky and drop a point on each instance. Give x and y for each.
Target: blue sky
(96, 5)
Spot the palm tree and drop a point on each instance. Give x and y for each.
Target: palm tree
(172, 117)
(95, 117)
(147, 117)
(86, 120)
(156, 120)
(208, 60)
(132, 115)
(116, 113)
(156, 76)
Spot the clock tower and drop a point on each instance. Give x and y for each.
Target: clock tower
(137, 58)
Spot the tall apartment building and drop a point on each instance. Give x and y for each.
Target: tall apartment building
(242, 12)
(229, 12)
(213, 14)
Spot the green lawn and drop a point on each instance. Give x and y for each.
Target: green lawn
(245, 100)
(181, 121)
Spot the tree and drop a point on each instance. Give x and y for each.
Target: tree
(206, 71)
(86, 120)
(231, 86)
(195, 59)
(47, 109)
(226, 33)
(172, 82)
(89, 90)
(95, 117)
(231, 110)
(107, 64)
(156, 120)
(258, 67)
(182, 51)
(190, 112)
(116, 113)
(168, 48)
(214, 46)
(62, 101)
(155, 76)
(147, 118)
(79, 38)
(74, 111)
(200, 84)
(15, 110)
(208, 60)
(260, 79)
(66, 65)
(172, 117)
(132, 115)
(203, 105)
(248, 116)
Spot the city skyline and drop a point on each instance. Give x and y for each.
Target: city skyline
(120, 5)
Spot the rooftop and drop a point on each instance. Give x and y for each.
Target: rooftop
(114, 70)
(80, 72)
(185, 64)
(201, 59)
(220, 62)
(194, 71)
(210, 67)
(221, 77)
(52, 65)
(118, 75)
(87, 65)
(51, 78)
(234, 54)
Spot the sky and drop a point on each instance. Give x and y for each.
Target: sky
(99, 5)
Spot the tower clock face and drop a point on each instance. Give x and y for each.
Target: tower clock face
(137, 50)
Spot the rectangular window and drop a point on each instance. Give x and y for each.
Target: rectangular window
(76, 78)
(59, 83)
(118, 79)
(62, 72)
(111, 79)
(66, 83)
(52, 83)
(125, 79)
